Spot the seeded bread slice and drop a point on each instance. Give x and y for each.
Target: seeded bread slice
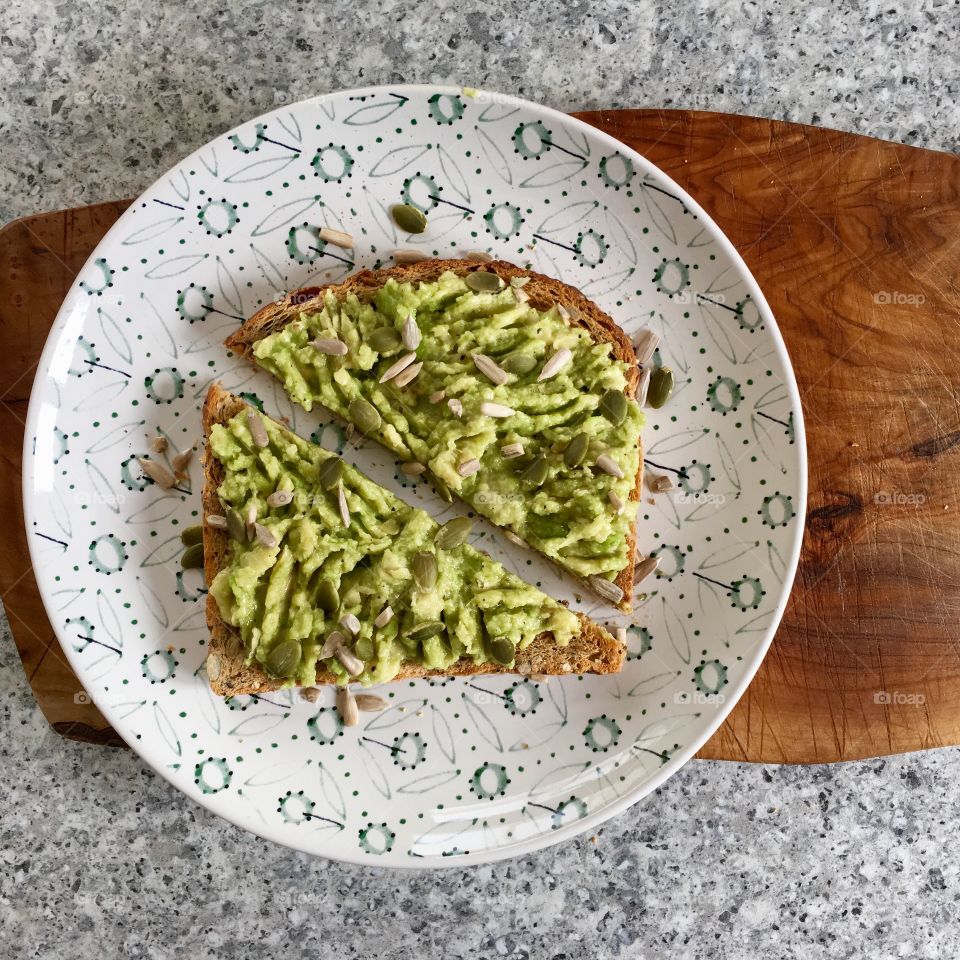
(593, 650)
(543, 292)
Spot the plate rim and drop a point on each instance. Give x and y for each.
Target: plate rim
(609, 810)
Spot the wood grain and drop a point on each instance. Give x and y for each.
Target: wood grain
(856, 244)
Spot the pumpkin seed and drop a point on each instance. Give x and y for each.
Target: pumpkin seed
(330, 346)
(478, 256)
(510, 451)
(424, 631)
(455, 406)
(337, 237)
(370, 702)
(468, 468)
(347, 707)
(613, 405)
(236, 528)
(157, 472)
(384, 340)
(191, 535)
(643, 387)
(442, 489)
(608, 465)
(408, 218)
(280, 498)
(351, 663)
(605, 588)
(490, 409)
(518, 363)
(258, 431)
(408, 256)
(330, 473)
(536, 472)
(364, 648)
(454, 533)
(546, 527)
(283, 659)
(424, 568)
(576, 450)
(328, 598)
(410, 335)
(482, 281)
(644, 568)
(408, 376)
(264, 536)
(502, 650)
(494, 373)
(343, 505)
(661, 386)
(216, 521)
(350, 621)
(397, 367)
(555, 364)
(383, 617)
(364, 415)
(645, 344)
(192, 558)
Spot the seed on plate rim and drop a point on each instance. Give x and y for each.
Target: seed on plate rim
(408, 256)
(608, 465)
(159, 443)
(479, 256)
(347, 707)
(622, 634)
(398, 367)
(513, 538)
(645, 343)
(659, 483)
(158, 473)
(310, 694)
(412, 469)
(338, 238)
(645, 567)
(643, 386)
(605, 588)
(181, 461)
(555, 364)
(408, 218)
(370, 702)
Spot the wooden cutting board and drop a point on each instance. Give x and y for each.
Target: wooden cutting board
(856, 244)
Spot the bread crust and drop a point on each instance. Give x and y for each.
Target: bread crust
(593, 650)
(543, 292)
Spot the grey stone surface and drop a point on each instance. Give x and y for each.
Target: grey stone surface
(101, 858)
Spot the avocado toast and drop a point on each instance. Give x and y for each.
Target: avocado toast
(304, 556)
(502, 386)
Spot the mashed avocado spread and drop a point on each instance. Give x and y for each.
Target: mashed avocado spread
(511, 465)
(308, 573)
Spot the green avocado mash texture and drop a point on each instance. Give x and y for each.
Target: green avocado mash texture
(271, 592)
(574, 515)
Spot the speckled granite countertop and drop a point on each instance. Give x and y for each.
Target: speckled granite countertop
(101, 858)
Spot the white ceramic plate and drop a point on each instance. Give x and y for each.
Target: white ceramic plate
(461, 771)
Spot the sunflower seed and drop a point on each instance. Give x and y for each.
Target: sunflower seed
(482, 281)
(565, 314)
(519, 281)
(513, 538)
(468, 468)
(488, 368)
(408, 218)
(520, 295)
(412, 469)
(456, 407)
(349, 621)
(347, 707)
(643, 387)
(408, 256)
(157, 472)
(216, 520)
(348, 432)
(213, 666)
(280, 498)
(555, 364)
(344, 508)
(407, 376)
(511, 450)
(608, 465)
(258, 432)
(622, 634)
(397, 367)
(337, 237)
(410, 334)
(158, 444)
(644, 568)
(181, 461)
(606, 589)
(332, 644)
(490, 409)
(351, 663)
(310, 694)
(438, 396)
(370, 702)
(645, 343)
(478, 256)
(384, 617)
(264, 536)
(659, 484)
(615, 501)
(330, 346)
(250, 519)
